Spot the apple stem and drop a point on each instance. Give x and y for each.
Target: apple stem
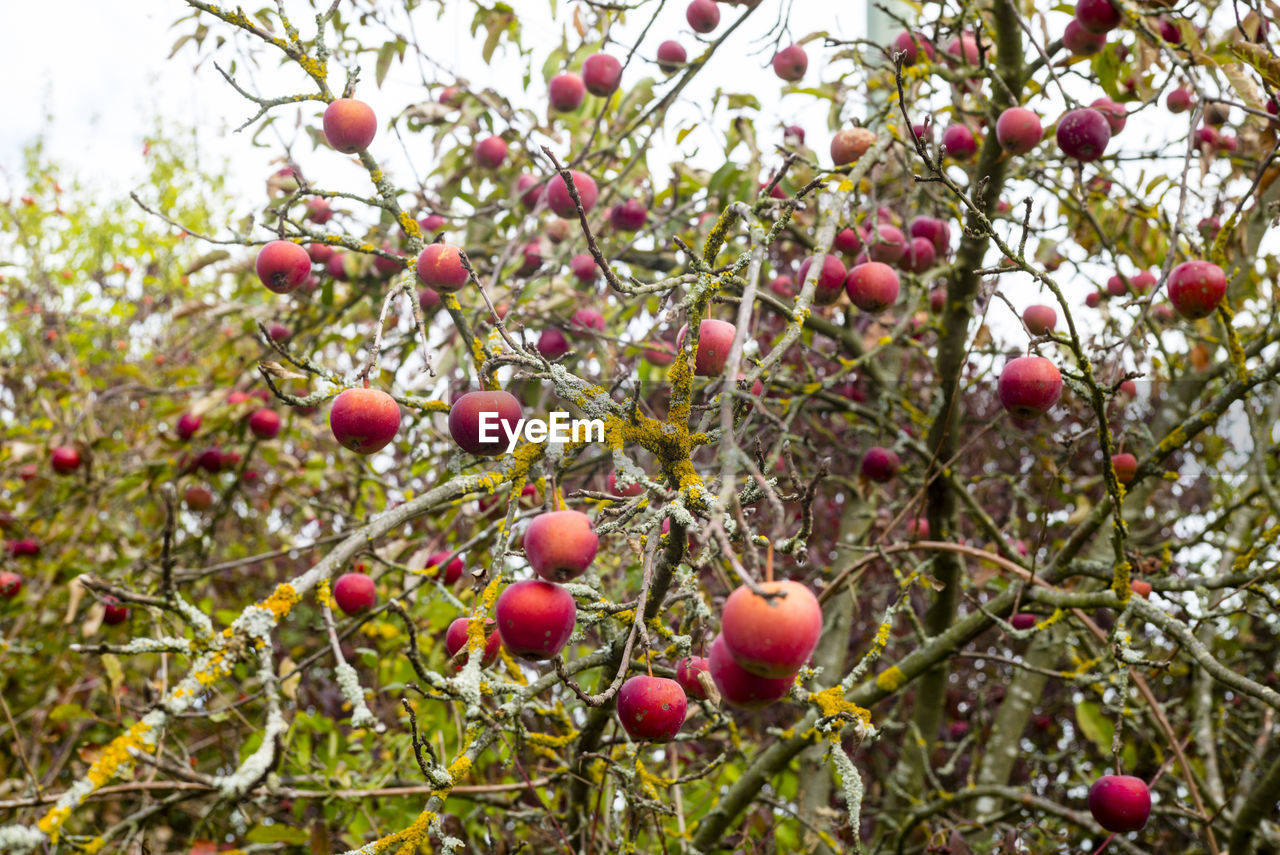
(1104, 844)
(768, 563)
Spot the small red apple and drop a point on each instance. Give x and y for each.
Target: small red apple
(440, 267)
(880, 464)
(566, 92)
(630, 492)
(265, 423)
(1083, 134)
(561, 545)
(349, 125)
(1126, 466)
(771, 636)
(354, 593)
(491, 152)
(1029, 386)
(830, 282)
(455, 639)
(872, 286)
(671, 56)
(651, 709)
(703, 15)
(113, 611)
(601, 74)
(479, 421)
(1018, 130)
(740, 687)
(1196, 288)
(535, 618)
(452, 570)
(687, 671)
(1097, 16)
(64, 459)
(364, 420)
(561, 202)
(1120, 803)
(790, 63)
(10, 584)
(1040, 319)
(715, 340)
(283, 266)
(1022, 620)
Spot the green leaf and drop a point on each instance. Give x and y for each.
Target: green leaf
(385, 54)
(1096, 727)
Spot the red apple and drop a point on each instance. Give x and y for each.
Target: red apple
(431, 223)
(552, 344)
(64, 459)
(687, 671)
(27, 547)
(10, 584)
(885, 243)
(1029, 386)
(198, 498)
(1114, 113)
(440, 267)
(937, 232)
(455, 639)
(651, 709)
(566, 91)
(1023, 620)
(911, 44)
(283, 266)
(349, 125)
(491, 152)
(1083, 134)
(428, 300)
(561, 545)
(1018, 130)
(1126, 466)
(1040, 319)
(495, 412)
(535, 618)
(452, 570)
(583, 267)
(1179, 100)
(630, 216)
(601, 74)
(320, 253)
(559, 200)
(671, 56)
(703, 15)
(113, 611)
(880, 464)
(1196, 288)
(715, 340)
(771, 636)
(740, 687)
(354, 593)
(1081, 42)
(1097, 16)
(630, 492)
(1120, 803)
(830, 282)
(587, 320)
(364, 420)
(265, 423)
(959, 143)
(790, 63)
(1141, 588)
(872, 286)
